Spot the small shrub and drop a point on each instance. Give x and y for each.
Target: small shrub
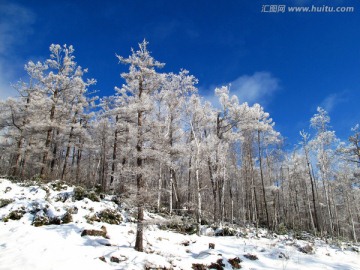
(72, 210)
(107, 215)
(62, 197)
(110, 216)
(93, 196)
(281, 230)
(116, 199)
(58, 185)
(16, 214)
(66, 218)
(5, 202)
(40, 219)
(79, 193)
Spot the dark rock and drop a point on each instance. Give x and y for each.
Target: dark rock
(235, 262)
(251, 257)
(283, 256)
(102, 232)
(199, 266)
(114, 259)
(54, 221)
(307, 249)
(185, 243)
(102, 258)
(219, 265)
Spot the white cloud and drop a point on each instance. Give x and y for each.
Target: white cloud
(332, 100)
(15, 27)
(257, 88)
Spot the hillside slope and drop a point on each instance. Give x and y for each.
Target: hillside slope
(42, 227)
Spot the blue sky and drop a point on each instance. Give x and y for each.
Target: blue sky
(288, 62)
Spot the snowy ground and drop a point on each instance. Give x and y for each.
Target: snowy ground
(24, 246)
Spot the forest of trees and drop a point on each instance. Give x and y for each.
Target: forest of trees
(156, 142)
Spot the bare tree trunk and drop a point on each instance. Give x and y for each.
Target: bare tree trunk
(68, 146)
(114, 151)
(198, 199)
(189, 182)
(262, 182)
(316, 219)
(214, 187)
(139, 246)
(351, 219)
(159, 189)
(171, 192)
(78, 160)
(18, 156)
(48, 138)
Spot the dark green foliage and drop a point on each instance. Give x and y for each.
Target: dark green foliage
(79, 193)
(281, 229)
(40, 219)
(16, 214)
(66, 218)
(107, 216)
(58, 185)
(5, 202)
(93, 196)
